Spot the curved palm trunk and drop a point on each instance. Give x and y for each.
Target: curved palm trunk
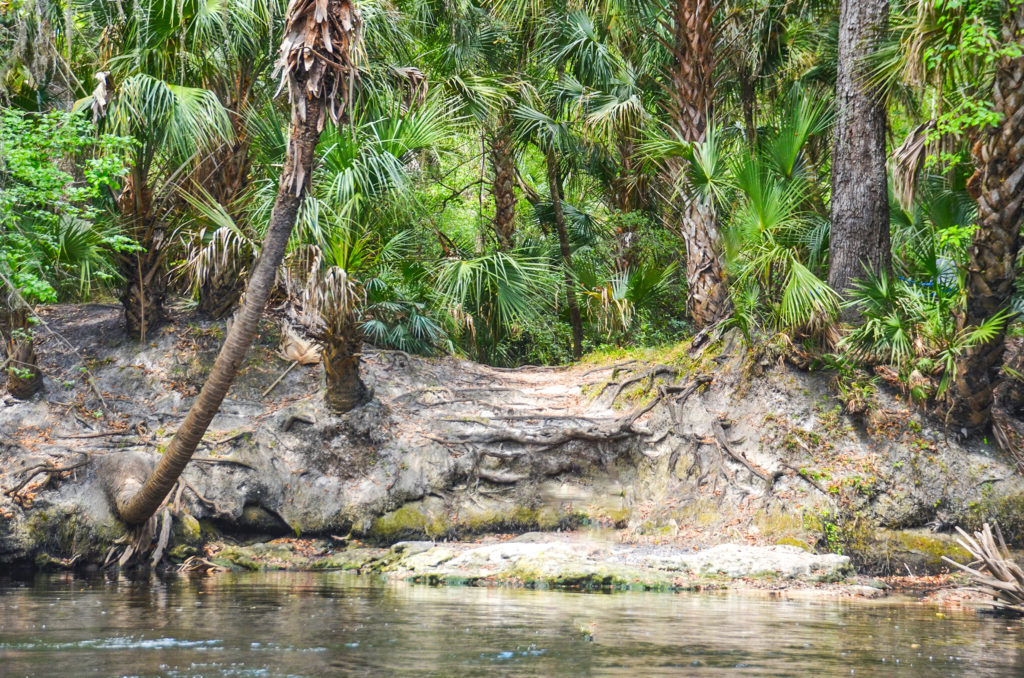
(503, 186)
(345, 389)
(692, 93)
(315, 72)
(998, 185)
(860, 198)
(555, 187)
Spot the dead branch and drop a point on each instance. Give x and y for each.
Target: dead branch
(999, 575)
(50, 469)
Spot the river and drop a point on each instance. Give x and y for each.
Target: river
(327, 624)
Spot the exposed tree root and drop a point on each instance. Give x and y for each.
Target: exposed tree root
(51, 470)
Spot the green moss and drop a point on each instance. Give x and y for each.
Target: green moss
(792, 541)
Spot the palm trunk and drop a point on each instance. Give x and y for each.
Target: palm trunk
(692, 94)
(24, 379)
(315, 70)
(860, 198)
(503, 186)
(998, 185)
(707, 296)
(555, 188)
(345, 389)
(145, 289)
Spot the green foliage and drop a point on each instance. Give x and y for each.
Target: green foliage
(53, 242)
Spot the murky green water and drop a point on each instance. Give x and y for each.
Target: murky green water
(329, 624)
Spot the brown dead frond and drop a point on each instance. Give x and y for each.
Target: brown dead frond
(318, 61)
(995, 573)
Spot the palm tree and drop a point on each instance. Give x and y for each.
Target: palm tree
(860, 205)
(555, 139)
(317, 62)
(991, 271)
(691, 98)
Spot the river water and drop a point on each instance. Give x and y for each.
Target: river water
(307, 624)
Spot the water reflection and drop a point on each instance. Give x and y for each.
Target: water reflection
(316, 624)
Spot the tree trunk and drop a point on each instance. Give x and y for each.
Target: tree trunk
(707, 296)
(503, 186)
(998, 186)
(555, 188)
(690, 103)
(860, 198)
(317, 72)
(145, 288)
(345, 389)
(24, 379)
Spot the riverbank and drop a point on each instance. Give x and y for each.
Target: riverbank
(587, 561)
(704, 444)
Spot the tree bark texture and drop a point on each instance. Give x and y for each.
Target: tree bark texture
(317, 66)
(24, 379)
(860, 198)
(145, 288)
(998, 186)
(555, 188)
(690, 105)
(345, 389)
(503, 185)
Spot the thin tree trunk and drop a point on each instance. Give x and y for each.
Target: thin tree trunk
(860, 198)
(315, 58)
(692, 96)
(555, 188)
(503, 186)
(998, 185)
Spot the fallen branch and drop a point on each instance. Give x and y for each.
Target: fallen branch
(999, 576)
(278, 380)
(50, 469)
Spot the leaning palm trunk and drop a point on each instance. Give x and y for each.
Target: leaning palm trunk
(860, 202)
(998, 186)
(692, 92)
(997, 575)
(555, 188)
(317, 65)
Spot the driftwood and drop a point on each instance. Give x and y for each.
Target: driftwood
(997, 575)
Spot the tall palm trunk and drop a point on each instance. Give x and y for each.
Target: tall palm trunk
(692, 92)
(503, 186)
(316, 60)
(998, 186)
(555, 188)
(860, 198)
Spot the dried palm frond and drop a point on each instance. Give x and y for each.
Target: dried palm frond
(318, 55)
(296, 349)
(908, 160)
(997, 575)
